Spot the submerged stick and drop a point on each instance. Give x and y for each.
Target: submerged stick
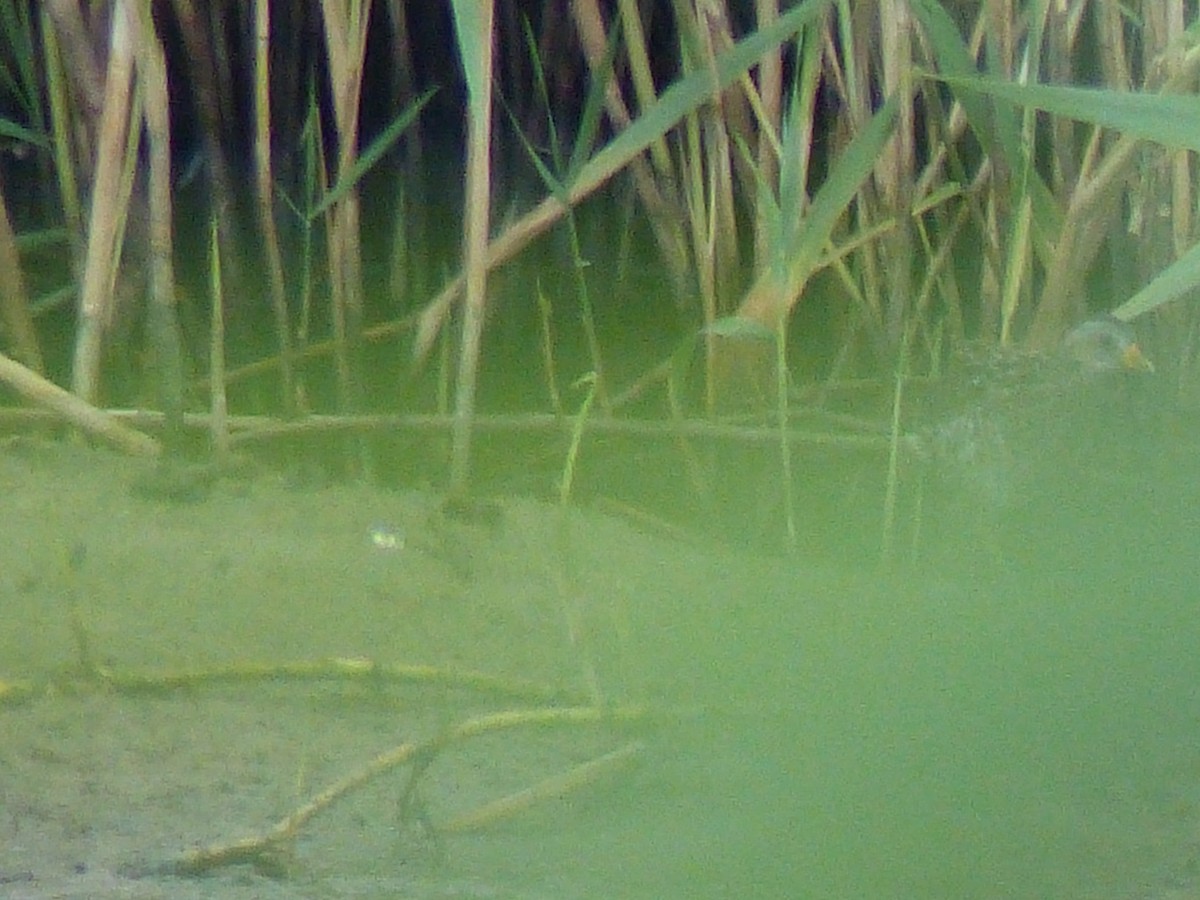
(269, 851)
(551, 788)
(70, 408)
(348, 669)
(257, 429)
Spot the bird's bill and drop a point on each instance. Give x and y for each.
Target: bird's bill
(1134, 360)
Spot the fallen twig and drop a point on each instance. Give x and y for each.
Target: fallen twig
(247, 429)
(66, 406)
(332, 669)
(269, 851)
(549, 788)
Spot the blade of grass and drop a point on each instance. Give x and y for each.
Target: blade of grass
(372, 153)
(1177, 279)
(1172, 120)
(22, 134)
(566, 482)
(559, 180)
(218, 401)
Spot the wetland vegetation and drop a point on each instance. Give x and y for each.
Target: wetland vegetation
(554, 449)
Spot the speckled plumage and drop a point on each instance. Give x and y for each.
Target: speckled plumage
(1005, 420)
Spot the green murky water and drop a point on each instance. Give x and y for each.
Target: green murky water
(1013, 715)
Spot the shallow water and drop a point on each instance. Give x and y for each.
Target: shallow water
(1018, 730)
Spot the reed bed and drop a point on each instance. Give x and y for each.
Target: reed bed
(912, 173)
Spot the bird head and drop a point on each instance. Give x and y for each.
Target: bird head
(1106, 344)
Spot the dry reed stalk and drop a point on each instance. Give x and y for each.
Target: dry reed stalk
(989, 191)
(866, 50)
(1169, 189)
(937, 180)
(1160, 198)
(1061, 28)
(83, 72)
(656, 195)
(770, 91)
(708, 179)
(951, 126)
(346, 43)
(726, 113)
(855, 26)
(1013, 226)
(1017, 217)
(476, 35)
(263, 180)
(707, 32)
(1112, 51)
(1183, 179)
(1093, 201)
(109, 204)
(895, 170)
(939, 280)
(163, 322)
(643, 79)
